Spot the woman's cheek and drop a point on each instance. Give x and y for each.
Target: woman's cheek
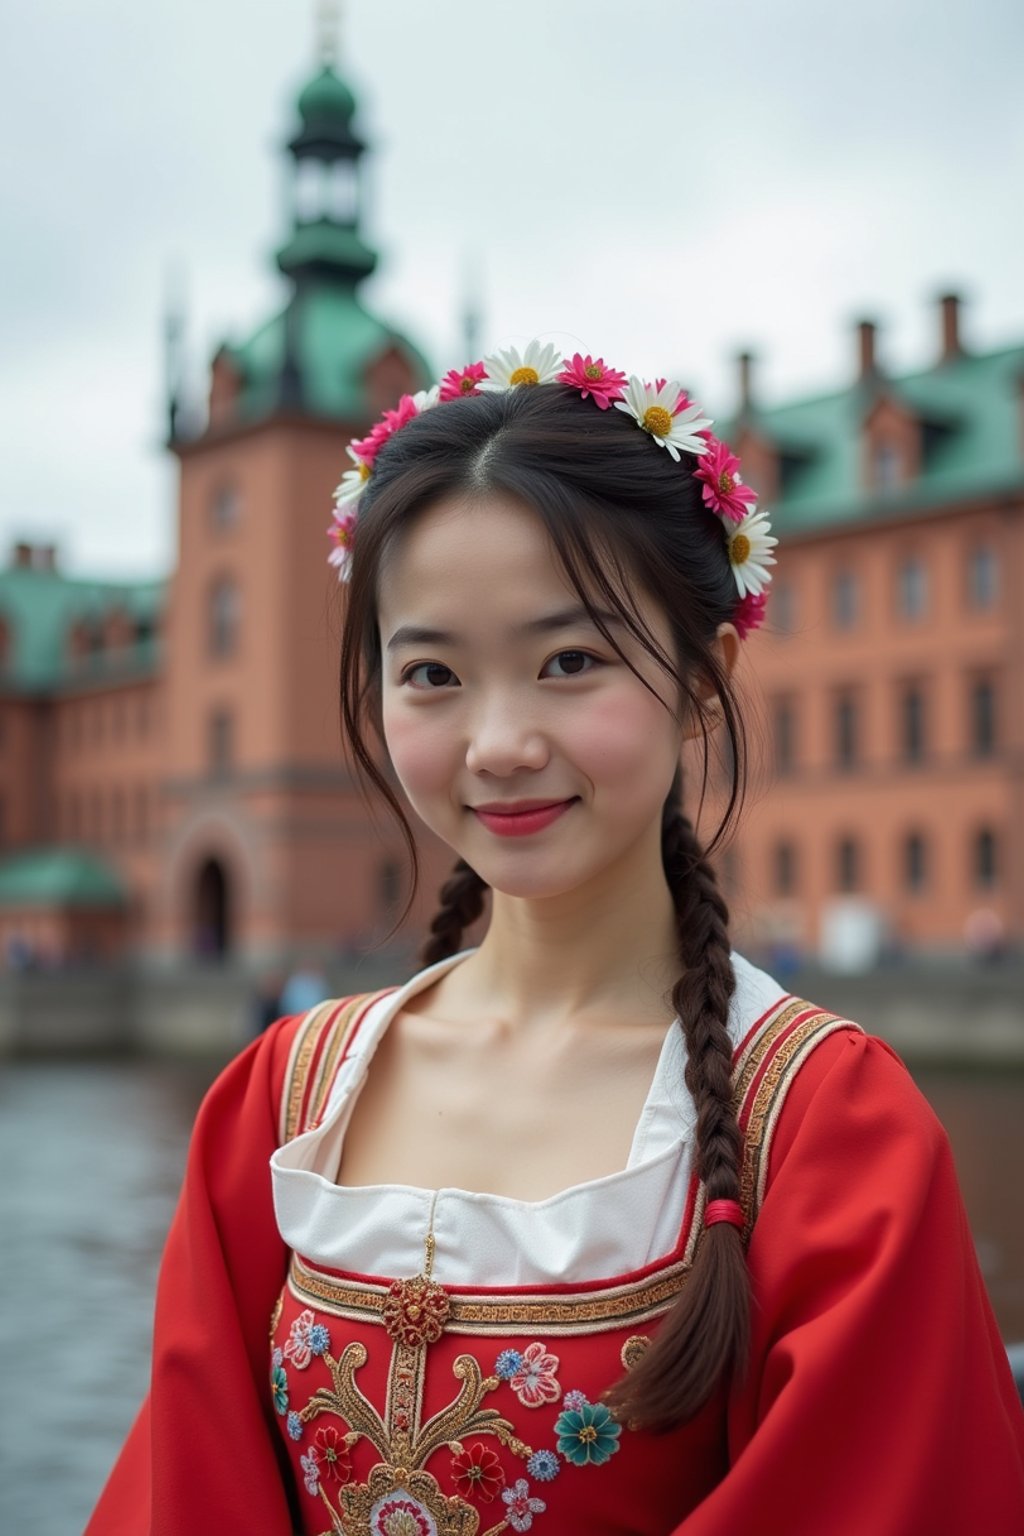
(615, 741)
(421, 754)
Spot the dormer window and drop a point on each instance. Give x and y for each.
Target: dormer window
(887, 466)
(912, 588)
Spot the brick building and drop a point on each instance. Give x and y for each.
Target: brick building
(171, 779)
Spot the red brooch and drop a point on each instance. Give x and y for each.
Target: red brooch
(415, 1311)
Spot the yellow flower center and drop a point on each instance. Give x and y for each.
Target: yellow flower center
(467, 386)
(413, 1311)
(739, 549)
(592, 371)
(726, 483)
(588, 1434)
(525, 376)
(657, 421)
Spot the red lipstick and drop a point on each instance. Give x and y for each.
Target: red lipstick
(522, 817)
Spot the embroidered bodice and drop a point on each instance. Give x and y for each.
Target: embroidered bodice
(438, 1357)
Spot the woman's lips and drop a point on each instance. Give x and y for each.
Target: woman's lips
(534, 817)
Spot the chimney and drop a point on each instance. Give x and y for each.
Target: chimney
(952, 346)
(868, 365)
(46, 557)
(21, 557)
(746, 365)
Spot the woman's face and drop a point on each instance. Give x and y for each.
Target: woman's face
(518, 734)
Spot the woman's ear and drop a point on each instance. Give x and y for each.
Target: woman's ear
(726, 646)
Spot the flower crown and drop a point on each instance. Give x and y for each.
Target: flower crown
(663, 409)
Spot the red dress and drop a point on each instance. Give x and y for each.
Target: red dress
(878, 1400)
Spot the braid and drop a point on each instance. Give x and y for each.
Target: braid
(705, 1335)
(462, 901)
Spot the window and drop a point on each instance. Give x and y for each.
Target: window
(846, 730)
(912, 724)
(848, 873)
(982, 577)
(912, 588)
(784, 735)
(785, 868)
(225, 507)
(983, 717)
(915, 861)
(224, 614)
(888, 466)
(985, 870)
(221, 743)
(782, 607)
(845, 599)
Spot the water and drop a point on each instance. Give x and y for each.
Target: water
(96, 1152)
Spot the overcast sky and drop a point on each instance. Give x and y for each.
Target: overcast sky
(664, 184)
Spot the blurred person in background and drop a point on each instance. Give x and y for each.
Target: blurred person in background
(593, 1228)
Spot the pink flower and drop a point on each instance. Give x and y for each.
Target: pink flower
(522, 1506)
(593, 378)
(724, 491)
(534, 1383)
(297, 1349)
(342, 531)
(749, 612)
(455, 384)
(367, 448)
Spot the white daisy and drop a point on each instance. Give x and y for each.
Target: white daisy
(423, 399)
(749, 544)
(655, 410)
(353, 481)
(510, 369)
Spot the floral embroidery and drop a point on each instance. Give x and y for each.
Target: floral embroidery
(333, 1454)
(393, 1516)
(415, 1311)
(521, 1507)
(310, 1464)
(276, 1359)
(544, 1465)
(634, 1349)
(279, 1387)
(477, 1470)
(587, 1434)
(575, 1401)
(305, 1333)
(294, 1426)
(508, 1363)
(275, 1316)
(534, 1383)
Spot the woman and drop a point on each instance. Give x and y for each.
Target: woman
(593, 1227)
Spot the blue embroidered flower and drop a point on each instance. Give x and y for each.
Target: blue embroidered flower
(279, 1387)
(294, 1425)
(587, 1434)
(276, 1359)
(319, 1339)
(544, 1465)
(575, 1401)
(508, 1363)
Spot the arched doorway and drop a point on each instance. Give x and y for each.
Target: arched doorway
(211, 929)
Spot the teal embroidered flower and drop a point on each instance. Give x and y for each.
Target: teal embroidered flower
(279, 1387)
(587, 1434)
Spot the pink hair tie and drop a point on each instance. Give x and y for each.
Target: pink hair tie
(724, 1210)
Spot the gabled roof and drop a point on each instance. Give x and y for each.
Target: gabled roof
(970, 408)
(41, 606)
(58, 877)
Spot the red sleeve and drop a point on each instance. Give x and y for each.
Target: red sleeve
(204, 1455)
(879, 1401)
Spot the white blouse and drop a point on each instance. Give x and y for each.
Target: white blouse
(592, 1231)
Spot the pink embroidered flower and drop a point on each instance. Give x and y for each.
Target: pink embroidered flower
(575, 1400)
(593, 378)
(333, 1456)
(456, 383)
(298, 1348)
(521, 1507)
(749, 612)
(477, 1470)
(534, 1383)
(724, 491)
(310, 1464)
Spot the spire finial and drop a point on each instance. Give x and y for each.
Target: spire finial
(328, 26)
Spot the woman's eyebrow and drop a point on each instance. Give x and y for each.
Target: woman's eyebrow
(565, 618)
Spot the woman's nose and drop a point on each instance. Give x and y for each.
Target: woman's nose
(504, 739)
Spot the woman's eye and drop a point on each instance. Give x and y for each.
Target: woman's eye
(572, 663)
(429, 674)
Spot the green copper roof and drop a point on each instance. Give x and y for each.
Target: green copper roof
(40, 607)
(58, 877)
(326, 102)
(337, 341)
(970, 408)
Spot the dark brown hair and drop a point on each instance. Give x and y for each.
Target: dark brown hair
(626, 522)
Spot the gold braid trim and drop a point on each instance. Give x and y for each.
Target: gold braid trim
(335, 1019)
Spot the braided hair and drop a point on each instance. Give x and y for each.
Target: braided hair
(621, 518)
